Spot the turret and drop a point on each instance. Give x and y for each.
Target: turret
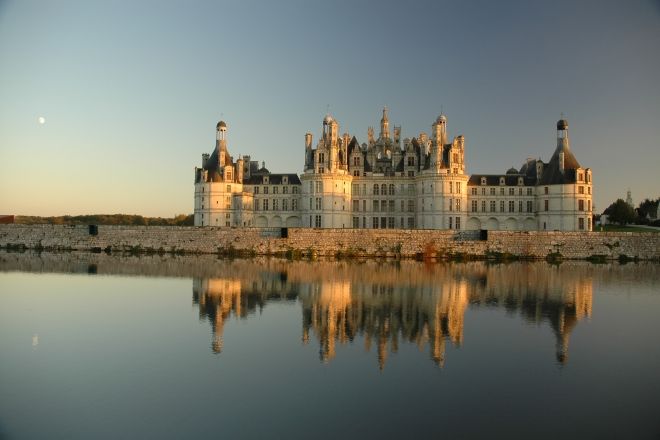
(562, 141)
(385, 125)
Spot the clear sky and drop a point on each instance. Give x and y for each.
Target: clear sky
(131, 90)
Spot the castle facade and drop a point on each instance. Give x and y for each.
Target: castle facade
(389, 182)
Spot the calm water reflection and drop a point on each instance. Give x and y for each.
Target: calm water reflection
(384, 305)
(97, 346)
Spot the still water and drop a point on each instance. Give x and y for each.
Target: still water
(97, 346)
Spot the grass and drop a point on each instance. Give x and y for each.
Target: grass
(617, 228)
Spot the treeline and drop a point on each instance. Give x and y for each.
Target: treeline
(645, 214)
(107, 219)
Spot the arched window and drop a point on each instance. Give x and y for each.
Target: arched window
(383, 189)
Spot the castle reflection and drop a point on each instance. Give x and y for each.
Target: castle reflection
(382, 305)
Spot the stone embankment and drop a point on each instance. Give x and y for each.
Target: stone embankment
(303, 242)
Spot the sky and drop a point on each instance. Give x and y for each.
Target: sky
(131, 91)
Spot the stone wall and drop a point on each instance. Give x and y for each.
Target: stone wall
(332, 242)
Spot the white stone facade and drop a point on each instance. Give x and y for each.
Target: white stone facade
(393, 183)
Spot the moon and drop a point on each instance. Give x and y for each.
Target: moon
(41, 120)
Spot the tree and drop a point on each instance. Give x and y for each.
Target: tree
(648, 209)
(620, 212)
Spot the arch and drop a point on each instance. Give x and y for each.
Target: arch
(261, 222)
(293, 222)
(529, 224)
(473, 223)
(276, 222)
(511, 224)
(492, 224)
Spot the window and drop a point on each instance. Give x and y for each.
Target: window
(580, 189)
(285, 205)
(256, 205)
(483, 191)
(376, 188)
(364, 223)
(588, 205)
(383, 189)
(458, 205)
(228, 188)
(355, 189)
(276, 206)
(474, 191)
(411, 161)
(520, 206)
(580, 178)
(364, 205)
(411, 222)
(492, 191)
(474, 206)
(356, 205)
(450, 222)
(390, 222)
(520, 191)
(356, 221)
(483, 180)
(501, 205)
(411, 173)
(512, 191)
(458, 223)
(383, 222)
(356, 161)
(588, 190)
(483, 206)
(581, 224)
(256, 190)
(403, 206)
(294, 205)
(391, 204)
(265, 204)
(318, 203)
(580, 205)
(458, 187)
(501, 191)
(317, 221)
(529, 191)
(411, 206)
(501, 180)
(391, 189)
(374, 223)
(545, 190)
(451, 188)
(545, 203)
(529, 206)
(294, 190)
(451, 206)
(376, 206)
(492, 206)
(321, 157)
(512, 206)
(276, 190)
(265, 190)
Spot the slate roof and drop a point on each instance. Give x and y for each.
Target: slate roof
(551, 173)
(273, 179)
(494, 180)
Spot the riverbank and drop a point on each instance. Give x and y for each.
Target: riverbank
(335, 243)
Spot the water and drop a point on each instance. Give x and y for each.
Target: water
(96, 346)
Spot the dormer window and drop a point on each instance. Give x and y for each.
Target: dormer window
(285, 180)
(501, 180)
(483, 180)
(520, 181)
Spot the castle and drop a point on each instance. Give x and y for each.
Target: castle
(389, 182)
